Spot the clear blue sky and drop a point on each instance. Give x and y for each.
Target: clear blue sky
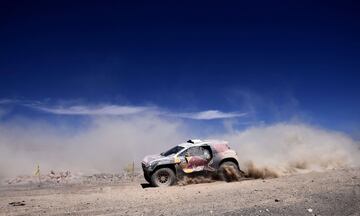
(276, 60)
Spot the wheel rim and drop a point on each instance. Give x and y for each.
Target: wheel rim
(163, 177)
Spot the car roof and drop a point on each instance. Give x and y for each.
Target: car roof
(197, 142)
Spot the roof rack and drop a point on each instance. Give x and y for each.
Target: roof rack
(193, 141)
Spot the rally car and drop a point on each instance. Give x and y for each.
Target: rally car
(195, 157)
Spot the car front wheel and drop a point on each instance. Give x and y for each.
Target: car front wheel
(163, 177)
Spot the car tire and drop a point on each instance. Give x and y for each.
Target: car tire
(163, 177)
(229, 171)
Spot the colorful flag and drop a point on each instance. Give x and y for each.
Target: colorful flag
(37, 170)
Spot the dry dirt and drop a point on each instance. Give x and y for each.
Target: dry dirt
(335, 192)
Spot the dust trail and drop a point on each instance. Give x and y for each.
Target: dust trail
(186, 180)
(252, 171)
(280, 149)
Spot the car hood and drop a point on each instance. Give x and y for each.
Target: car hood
(151, 158)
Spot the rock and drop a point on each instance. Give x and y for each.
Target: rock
(22, 203)
(310, 210)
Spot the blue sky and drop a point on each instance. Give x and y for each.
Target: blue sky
(257, 63)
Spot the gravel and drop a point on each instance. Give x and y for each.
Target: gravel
(334, 192)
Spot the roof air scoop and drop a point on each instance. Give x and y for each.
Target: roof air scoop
(193, 141)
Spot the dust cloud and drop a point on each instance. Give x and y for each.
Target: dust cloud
(194, 180)
(108, 144)
(280, 149)
(252, 171)
(103, 145)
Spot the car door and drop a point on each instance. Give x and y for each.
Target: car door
(194, 159)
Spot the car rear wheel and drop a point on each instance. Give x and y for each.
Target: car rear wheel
(229, 171)
(163, 177)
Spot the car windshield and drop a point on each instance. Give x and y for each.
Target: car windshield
(173, 150)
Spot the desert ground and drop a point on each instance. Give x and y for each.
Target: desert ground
(333, 192)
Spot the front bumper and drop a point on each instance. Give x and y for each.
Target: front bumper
(146, 171)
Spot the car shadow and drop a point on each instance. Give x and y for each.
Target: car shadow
(146, 185)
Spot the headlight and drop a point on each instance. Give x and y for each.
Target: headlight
(144, 164)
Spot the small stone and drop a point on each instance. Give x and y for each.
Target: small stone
(22, 203)
(310, 210)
